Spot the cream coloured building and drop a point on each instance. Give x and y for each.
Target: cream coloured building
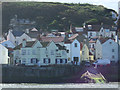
(40, 53)
(84, 53)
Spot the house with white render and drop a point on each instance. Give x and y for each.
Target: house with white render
(73, 53)
(40, 53)
(4, 59)
(106, 49)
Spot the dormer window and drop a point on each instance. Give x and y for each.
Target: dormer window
(90, 33)
(38, 47)
(23, 52)
(89, 27)
(67, 51)
(75, 44)
(113, 50)
(110, 42)
(33, 52)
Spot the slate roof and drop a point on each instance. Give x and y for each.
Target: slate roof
(44, 44)
(60, 47)
(33, 34)
(74, 36)
(102, 40)
(17, 33)
(28, 44)
(68, 42)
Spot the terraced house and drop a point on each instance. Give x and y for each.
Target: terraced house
(39, 53)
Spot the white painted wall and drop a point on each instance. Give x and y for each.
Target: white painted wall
(107, 50)
(3, 55)
(75, 51)
(11, 37)
(40, 53)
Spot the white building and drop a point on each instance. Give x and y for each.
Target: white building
(108, 32)
(16, 37)
(4, 59)
(40, 53)
(107, 49)
(74, 51)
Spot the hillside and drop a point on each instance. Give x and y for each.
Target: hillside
(59, 16)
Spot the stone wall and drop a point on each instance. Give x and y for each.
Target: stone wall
(53, 74)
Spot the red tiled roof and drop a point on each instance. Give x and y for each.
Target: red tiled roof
(10, 49)
(91, 41)
(73, 37)
(55, 39)
(102, 40)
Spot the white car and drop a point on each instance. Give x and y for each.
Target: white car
(102, 62)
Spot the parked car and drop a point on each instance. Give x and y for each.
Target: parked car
(102, 62)
(87, 63)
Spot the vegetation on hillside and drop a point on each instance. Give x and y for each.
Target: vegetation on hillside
(59, 16)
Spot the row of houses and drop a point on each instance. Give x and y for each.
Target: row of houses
(35, 48)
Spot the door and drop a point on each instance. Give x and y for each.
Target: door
(76, 59)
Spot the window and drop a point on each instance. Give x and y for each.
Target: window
(33, 52)
(23, 52)
(28, 52)
(89, 58)
(90, 34)
(52, 52)
(65, 60)
(75, 44)
(63, 53)
(110, 42)
(46, 60)
(16, 42)
(38, 47)
(43, 60)
(113, 57)
(67, 51)
(34, 60)
(58, 61)
(113, 50)
(61, 61)
(82, 52)
(76, 59)
(23, 60)
(93, 46)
